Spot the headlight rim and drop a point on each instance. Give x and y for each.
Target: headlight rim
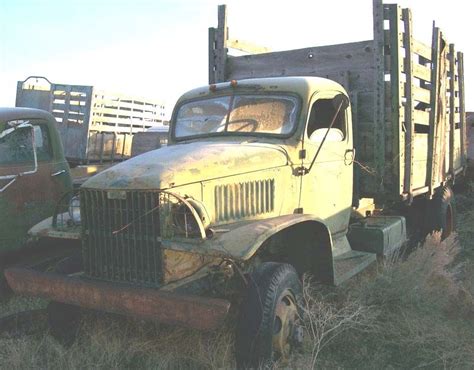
(74, 210)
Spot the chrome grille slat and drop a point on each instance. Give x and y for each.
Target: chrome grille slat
(131, 255)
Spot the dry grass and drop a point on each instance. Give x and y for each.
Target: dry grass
(106, 342)
(416, 313)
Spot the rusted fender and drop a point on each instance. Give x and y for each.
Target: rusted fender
(184, 310)
(45, 229)
(244, 240)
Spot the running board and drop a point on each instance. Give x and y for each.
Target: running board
(351, 263)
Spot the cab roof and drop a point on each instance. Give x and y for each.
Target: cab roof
(9, 114)
(301, 85)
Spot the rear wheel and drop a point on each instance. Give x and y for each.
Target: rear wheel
(269, 326)
(443, 212)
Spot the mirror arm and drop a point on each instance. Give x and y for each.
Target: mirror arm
(301, 171)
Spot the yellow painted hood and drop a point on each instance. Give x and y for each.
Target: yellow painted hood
(188, 163)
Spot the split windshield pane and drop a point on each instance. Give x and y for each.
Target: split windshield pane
(243, 114)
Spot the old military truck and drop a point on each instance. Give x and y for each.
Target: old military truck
(34, 175)
(258, 186)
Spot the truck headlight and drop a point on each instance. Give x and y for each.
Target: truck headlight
(186, 222)
(75, 209)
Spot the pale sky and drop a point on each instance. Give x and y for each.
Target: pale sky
(159, 48)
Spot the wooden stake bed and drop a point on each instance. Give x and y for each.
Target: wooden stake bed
(407, 99)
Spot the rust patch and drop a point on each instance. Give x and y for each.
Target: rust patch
(184, 310)
(179, 265)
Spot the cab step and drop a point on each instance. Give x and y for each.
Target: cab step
(351, 263)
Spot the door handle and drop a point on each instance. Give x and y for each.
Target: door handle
(349, 156)
(58, 173)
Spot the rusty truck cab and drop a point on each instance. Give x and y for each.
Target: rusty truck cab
(33, 173)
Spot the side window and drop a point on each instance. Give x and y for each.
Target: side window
(16, 146)
(44, 150)
(320, 118)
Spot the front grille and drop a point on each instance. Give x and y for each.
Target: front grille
(121, 235)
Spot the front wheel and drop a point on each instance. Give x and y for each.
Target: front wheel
(269, 325)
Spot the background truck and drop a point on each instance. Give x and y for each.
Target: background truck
(257, 186)
(34, 176)
(153, 138)
(95, 126)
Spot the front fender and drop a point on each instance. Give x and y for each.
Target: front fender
(241, 241)
(62, 230)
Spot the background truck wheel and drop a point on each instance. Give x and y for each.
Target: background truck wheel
(442, 212)
(64, 319)
(268, 328)
(5, 290)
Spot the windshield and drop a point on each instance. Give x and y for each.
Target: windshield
(243, 114)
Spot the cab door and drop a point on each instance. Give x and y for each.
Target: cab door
(32, 180)
(327, 188)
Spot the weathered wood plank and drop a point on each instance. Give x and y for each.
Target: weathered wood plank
(452, 109)
(82, 109)
(462, 109)
(421, 49)
(433, 106)
(379, 91)
(409, 105)
(421, 117)
(220, 49)
(438, 111)
(421, 72)
(422, 95)
(397, 92)
(315, 61)
(212, 55)
(247, 46)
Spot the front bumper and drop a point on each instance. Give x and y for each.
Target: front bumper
(196, 312)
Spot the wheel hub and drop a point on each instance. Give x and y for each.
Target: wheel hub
(287, 333)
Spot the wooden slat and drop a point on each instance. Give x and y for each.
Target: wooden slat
(221, 44)
(457, 119)
(247, 46)
(71, 88)
(397, 92)
(421, 72)
(409, 105)
(434, 107)
(315, 61)
(422, 95)
(452, 109)
(421, 117)
(421, 49)
(462, 108)
(379, 89)
(212, 55)
(74, 109)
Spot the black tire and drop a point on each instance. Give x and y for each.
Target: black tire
(443, 212)
(5, 290)
(64, 319)
(262, 336)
